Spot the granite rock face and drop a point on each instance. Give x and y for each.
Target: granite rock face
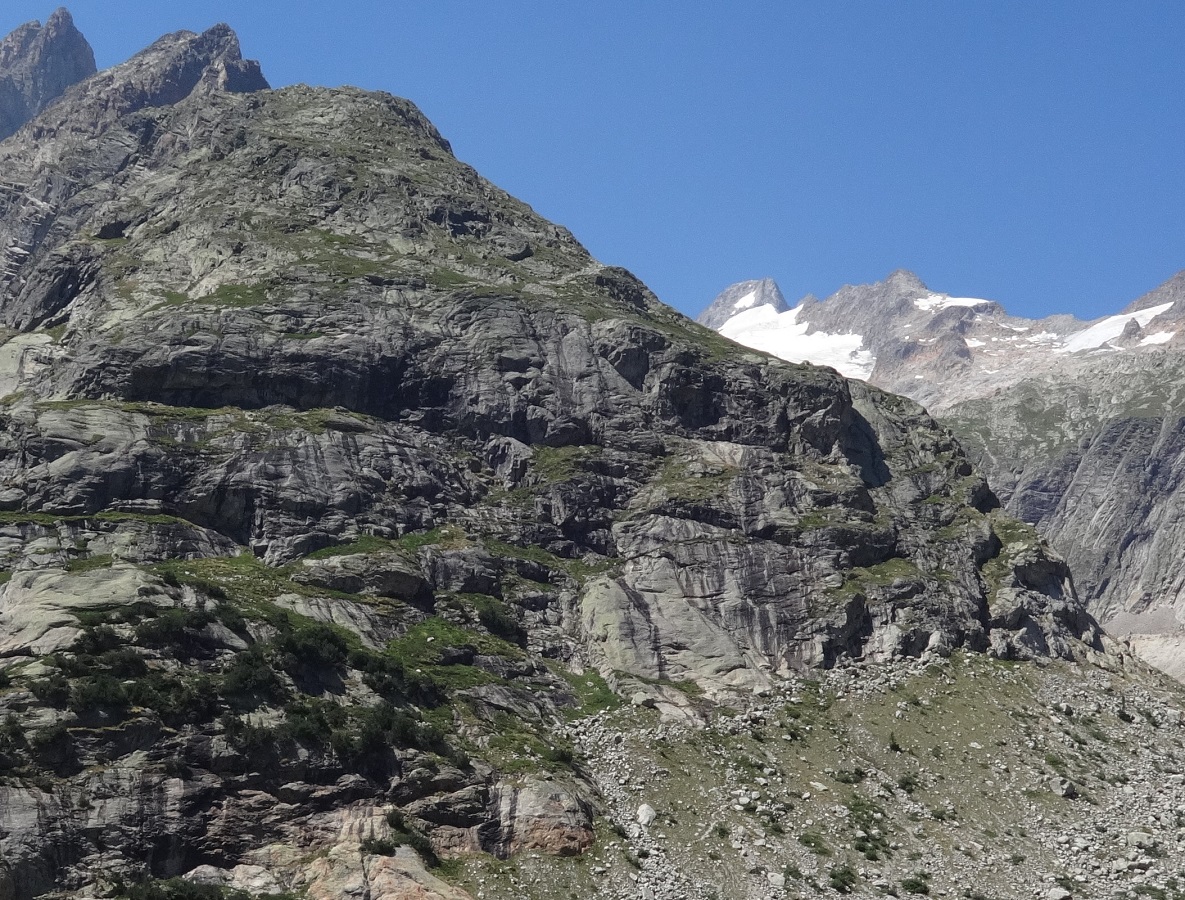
(38, 63)
(333, 480)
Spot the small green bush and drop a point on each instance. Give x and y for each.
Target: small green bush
(174, 629)
(52, 691)
(917, 883)
(842, 879)
(98, 692)
(96, 640)
(379, 847)
(815, 843)
(307, 646)
(251, 677)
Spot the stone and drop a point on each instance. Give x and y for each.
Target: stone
(1063, 787)
(646, 815)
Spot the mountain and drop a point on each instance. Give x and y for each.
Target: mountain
(1076, 424)
(361, 535)
(37, 64)
(741, 296)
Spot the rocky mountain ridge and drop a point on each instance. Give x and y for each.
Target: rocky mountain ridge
(38, 63)
(349, 511)
(938, 349)
(1075, 423)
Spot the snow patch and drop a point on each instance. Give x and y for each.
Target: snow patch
(763, 328)
(1110, 328)
(972, 343)
(941, 301)
(1160, 337)
(746, 301)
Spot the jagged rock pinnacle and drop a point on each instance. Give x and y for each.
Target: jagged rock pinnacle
(38, 63)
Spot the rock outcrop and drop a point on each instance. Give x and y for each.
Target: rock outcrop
(37, 64)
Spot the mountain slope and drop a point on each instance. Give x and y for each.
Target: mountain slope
(343, 499)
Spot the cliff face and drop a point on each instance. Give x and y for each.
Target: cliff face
(334, 481)
(1093, 457)
(37, 64)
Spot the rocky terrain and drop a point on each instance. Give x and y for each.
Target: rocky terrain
(361, 535)
(1076, 425)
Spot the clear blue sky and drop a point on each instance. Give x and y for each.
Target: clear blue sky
(1032, 153)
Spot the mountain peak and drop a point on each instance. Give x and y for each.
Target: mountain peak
(176, 66)
(904, 280)
(38, 63)
(741, 296)
(60, 20)
(1172, 291)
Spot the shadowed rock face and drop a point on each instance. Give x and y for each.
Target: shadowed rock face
(37, 65)
(325, 463)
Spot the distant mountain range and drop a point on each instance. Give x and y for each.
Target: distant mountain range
(1078, 425)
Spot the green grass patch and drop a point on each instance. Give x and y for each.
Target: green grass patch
(814, 842)
(90, 563)
(237, 295)
(592, 692)
(365, 543)
(558, 464)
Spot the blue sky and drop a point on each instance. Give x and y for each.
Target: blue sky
(1031, 153)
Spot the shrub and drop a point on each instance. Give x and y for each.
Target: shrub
(815, 843)
(251, 677)
(908, 782)
(498, 619)
(307, 646)
(177, 700)
(379, 847)
(95, 640)
(917, 883)
(403, 835)
(52, 691)
(842, 879)
(174, 629)
(98, 691)
(314, 723)
(389, 678)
